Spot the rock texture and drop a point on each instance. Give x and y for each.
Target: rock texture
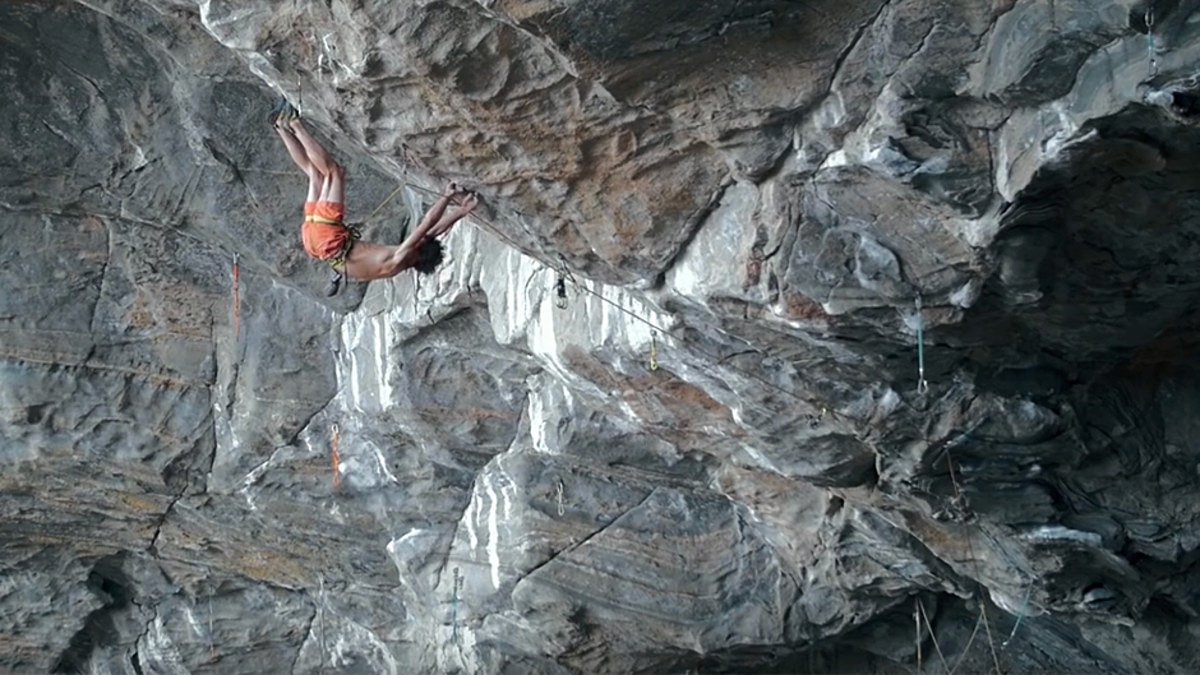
(793, 337)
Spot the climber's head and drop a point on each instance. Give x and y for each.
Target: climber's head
(429, 257)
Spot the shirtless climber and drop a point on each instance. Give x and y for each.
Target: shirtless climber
(325, 234)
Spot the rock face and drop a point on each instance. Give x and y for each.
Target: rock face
(792, 337)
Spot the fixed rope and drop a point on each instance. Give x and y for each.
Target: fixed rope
(928, 626)
(385, 202)
(1020, 615)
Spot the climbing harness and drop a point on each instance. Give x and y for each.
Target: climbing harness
(333, 445)
(237, 305)
(922, 384)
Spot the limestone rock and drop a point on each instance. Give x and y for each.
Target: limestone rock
(782, 326)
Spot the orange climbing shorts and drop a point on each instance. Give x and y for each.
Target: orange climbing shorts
(324, 234)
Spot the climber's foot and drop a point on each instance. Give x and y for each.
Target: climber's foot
(283, 114)
(334, 285)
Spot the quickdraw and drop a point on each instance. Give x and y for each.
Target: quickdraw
(560, 292)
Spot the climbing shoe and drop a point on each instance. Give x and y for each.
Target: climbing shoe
(334, 285)
(283, 113)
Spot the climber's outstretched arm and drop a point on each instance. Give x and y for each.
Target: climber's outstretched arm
(434, 216)
(452, 193)
(448, 220)
(371, 261)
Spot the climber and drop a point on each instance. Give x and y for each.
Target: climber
(325, 234)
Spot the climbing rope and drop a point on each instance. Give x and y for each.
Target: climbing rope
(385, 202)
(970, 641)
(988, 627)
(333, 446)
(917, 637)
(932, 636)
(922, 385)
(1020, 615)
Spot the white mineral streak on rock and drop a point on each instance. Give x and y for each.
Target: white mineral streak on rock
(721, 246)
(229, 22)
(364, 370)
(354, 642)
(539, 422)
(1053, 533)
(468, 519)
(549, 408)
(399, 551)
(200, 629)
(157, 651)
(760, 459)
(252, 478)
(493, 546)
(508, 488)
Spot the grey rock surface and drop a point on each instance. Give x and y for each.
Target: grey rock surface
(791, 337)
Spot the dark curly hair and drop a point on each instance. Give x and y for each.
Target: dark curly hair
(429, 257)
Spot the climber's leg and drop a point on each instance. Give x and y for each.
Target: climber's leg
(317, 154)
